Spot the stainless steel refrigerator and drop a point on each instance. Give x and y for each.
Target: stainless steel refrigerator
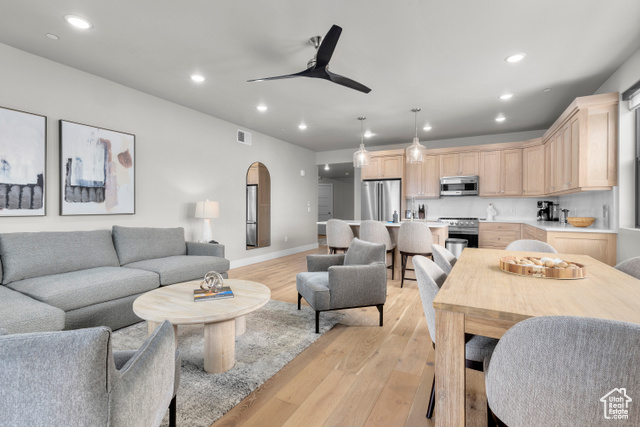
(252, 215)
(380, 199)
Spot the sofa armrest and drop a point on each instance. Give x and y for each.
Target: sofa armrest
(207, 249)
(323, 262)
(144, 386)
(357, 285)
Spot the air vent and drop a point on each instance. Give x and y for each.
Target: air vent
(244, 137)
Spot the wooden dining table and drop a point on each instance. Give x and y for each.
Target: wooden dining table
(478, 298)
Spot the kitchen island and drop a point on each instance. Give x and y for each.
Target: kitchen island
(439, 232)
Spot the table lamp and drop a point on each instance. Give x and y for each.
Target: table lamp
(207, 210)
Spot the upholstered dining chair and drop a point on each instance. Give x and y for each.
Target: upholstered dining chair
(355, 279)
(376, 232)
(630, 266)
(443, 258)
(430, 279)
(414, 238)
(73, 378)
(562, 370)
(531, 246)
(339, 235)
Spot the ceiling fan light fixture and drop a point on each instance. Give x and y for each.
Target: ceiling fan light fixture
(415, 152)
(361, 157)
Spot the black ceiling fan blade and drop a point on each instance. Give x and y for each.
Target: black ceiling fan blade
(287, 76)
(328, 45)
(344, 81)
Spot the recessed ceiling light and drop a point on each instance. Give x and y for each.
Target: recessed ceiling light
(78, 22)
(500, 119)
(547, 89)
(368, 134)
(506, 96)
(52, 36)
(197, 78)
(262, 108)
(302, 126)
(515, 57)
(427, 128)
(326, 166)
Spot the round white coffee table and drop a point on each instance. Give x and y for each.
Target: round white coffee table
(223, 319)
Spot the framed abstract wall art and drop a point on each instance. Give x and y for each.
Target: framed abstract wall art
(97, 168)
(23, 155)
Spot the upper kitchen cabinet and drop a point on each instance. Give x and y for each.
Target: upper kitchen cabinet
(581, 146)
(501, 173)
(533, 172)
(423, 179)
(459, 164)
(385, 165)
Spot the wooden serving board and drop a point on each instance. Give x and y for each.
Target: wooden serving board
(543, 272)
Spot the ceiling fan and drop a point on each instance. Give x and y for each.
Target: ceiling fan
(318, 66)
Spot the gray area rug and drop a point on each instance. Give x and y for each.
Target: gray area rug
(276, 334)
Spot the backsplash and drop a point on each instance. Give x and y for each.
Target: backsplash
(589, 203)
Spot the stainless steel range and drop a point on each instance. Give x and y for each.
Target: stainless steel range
(463, 228)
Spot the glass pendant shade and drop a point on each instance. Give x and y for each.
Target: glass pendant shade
(361, 157)
(416, 152)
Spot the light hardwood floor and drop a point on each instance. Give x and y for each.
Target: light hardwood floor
(358, 373)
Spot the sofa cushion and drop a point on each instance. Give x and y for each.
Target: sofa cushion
(70, 291)
(27, 255)
(361, 253)
(140, 243)
(21, 314)
(314, 287)
(176, 269)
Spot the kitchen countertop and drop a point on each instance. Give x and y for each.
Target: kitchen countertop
(552, 225)
(356, 222)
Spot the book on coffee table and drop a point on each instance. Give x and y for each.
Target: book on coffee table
(200, 295)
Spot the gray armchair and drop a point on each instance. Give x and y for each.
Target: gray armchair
(73, 378)
(355, 279)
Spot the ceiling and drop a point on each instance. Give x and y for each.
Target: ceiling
(446, 57)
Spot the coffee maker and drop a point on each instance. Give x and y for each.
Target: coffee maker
(544, 210)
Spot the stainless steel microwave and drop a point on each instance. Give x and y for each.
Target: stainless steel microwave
(459, 185)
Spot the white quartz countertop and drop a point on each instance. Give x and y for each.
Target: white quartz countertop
(356, 222)
(552, 225)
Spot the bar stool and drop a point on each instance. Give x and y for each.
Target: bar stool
(414, 238)
(339, 236)
(376, 232)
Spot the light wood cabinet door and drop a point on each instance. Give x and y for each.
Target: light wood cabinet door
(252, 175)
(558, 163)
(498, 235)
(599, 165)
(548, 171)
(450, 164)
(490, 175)
(469, 163)
(391, 166)
(372, 170)
(413, 181)
(533, 171)
(601, 246)
(511, 172)
(431, 177)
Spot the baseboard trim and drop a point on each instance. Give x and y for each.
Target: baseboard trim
(272, 255)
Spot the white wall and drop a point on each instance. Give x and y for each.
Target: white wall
(182, 156)
(621, 80)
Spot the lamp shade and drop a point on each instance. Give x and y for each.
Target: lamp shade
(207, 209)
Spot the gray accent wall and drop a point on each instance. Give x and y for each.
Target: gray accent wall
(182, 156)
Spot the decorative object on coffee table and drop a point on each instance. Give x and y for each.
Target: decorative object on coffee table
(97, 170)
(23, 147)
(223, 319)
(212, 282)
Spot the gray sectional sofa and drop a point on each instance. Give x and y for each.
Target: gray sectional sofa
(69, 280)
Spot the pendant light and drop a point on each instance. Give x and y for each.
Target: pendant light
(361, 157)
(415, 152)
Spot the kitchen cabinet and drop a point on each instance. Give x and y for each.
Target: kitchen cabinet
(533, 233)
(498, 235)
(459, 164)
(533, 172)
(252, 175)
(501, 173)
(423, 179)
(601, 246)
(384, 166)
